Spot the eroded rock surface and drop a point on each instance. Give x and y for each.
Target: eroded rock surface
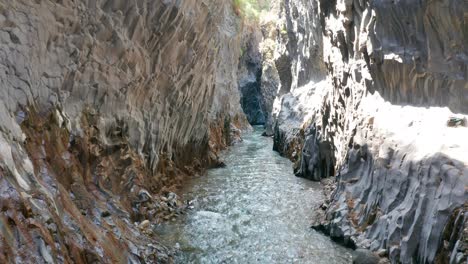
(104, 107)
(250, 74)
(379, 118)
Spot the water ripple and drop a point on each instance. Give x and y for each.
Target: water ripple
(252, 211)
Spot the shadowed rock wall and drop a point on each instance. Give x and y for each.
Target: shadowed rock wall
(250, 74)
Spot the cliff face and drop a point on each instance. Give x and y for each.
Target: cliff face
(104, 105)
(396, 71)
(250, 74)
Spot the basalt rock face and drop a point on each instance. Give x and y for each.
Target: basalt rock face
(290, 54)
(396, 71)
(300, 45)
(317, 159)
(299, 63)
(250, 75)
(104, 106)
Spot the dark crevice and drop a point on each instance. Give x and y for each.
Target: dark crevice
(250, 79)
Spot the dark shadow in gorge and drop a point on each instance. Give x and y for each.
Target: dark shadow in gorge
(252, 100)
(250, 79)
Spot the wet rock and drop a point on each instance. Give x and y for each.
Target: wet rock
(190, 204)
(384, 261)
(365, 256)
(221, 164)
(105, 214)
(144, 196)
(382, 253)
(235, 135)
(172, 197)
(455, 121)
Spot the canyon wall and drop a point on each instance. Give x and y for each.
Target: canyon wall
(250, 74)
(107, 105)
(376, 118)
(104, 107)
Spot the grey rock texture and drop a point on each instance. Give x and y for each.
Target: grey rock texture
(317, 159)
(300, 45)
(298, 61)
(270, 81)
(250, 76)
(291, 54)
(100, 100)
(362, 256)
(413, 46)
(396, 71)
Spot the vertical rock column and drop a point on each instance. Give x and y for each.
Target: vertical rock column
(105, 105)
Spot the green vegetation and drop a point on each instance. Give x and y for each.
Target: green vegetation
(242, 51)
(250, 9)
(284, 31)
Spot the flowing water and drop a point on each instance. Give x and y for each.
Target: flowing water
(252, 211)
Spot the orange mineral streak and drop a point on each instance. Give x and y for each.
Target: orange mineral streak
(85, 202)
(74, 181)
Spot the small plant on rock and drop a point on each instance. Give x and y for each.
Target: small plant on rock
(250, 9)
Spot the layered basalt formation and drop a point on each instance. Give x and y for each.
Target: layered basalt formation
(105, 106)
(396, 72)
(250, 73)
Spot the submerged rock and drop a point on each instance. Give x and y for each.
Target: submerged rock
(220, 164)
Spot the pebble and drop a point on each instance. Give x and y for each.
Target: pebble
(145, 224)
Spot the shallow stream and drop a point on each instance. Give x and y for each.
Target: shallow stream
(252, 211)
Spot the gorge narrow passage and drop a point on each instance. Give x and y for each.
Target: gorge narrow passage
(108, 108)
(252, 211)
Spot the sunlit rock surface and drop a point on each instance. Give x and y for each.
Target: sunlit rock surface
(104, 106)
(396, 71)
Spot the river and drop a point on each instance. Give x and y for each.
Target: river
(252, 211)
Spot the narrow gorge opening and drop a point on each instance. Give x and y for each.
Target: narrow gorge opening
(170, 131)
(252, 98)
